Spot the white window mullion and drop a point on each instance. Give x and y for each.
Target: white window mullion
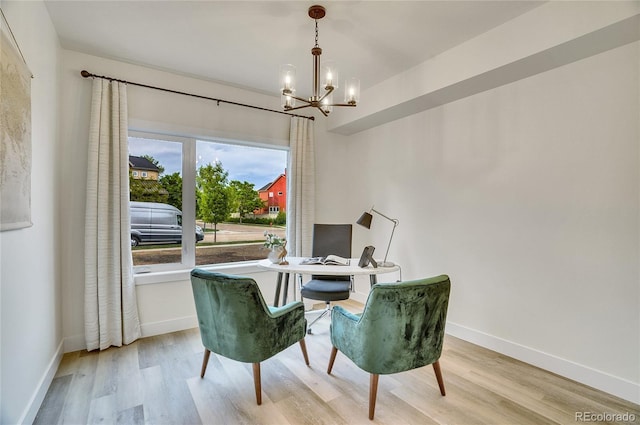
(189, 203)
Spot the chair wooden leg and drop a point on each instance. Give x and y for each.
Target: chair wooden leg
(436, 369)
(205, 361)
(303, 346)
(332, 359)
(373, 391)
(257, 383)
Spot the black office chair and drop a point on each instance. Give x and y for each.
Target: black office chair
(329, 239)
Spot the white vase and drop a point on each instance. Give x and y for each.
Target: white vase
(274, 254)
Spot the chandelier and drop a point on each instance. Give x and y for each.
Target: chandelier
(323, 101)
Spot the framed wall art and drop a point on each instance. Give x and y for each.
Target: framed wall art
(15, 133)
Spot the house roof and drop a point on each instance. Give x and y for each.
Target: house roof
(141, 163)
(268, 185)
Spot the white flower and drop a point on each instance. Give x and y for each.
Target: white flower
(273, 240)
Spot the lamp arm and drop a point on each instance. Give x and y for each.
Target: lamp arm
(388, 218)
(395, 223)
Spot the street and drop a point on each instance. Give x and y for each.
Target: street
(227, 232)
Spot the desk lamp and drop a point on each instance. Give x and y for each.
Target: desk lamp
(365, 221)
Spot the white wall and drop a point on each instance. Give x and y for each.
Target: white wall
(30, 304)
(528, 197)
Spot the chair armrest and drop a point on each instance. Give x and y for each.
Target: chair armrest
(344, 331)
(279, 311)
(347, 314)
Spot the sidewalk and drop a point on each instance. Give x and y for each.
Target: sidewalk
(232, 232)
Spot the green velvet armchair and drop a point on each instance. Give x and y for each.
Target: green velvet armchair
(401, 328)
(235, 322)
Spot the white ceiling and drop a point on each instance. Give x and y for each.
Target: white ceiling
(243, 43)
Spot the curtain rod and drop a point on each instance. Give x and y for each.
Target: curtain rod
(87, 74)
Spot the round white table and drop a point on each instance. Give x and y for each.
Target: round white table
(294, 267)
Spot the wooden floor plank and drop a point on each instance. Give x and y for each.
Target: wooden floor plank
(103, 410)
(156, 380)
(50, 411)
(132, 416)
(78, 400)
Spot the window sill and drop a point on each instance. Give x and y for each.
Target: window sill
(240, 268)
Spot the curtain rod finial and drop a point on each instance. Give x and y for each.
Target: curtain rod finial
(85, 74)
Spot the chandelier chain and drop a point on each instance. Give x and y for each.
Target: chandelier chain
(316, 33)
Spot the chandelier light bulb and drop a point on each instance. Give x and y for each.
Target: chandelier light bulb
(352, 91)
(287, 79)
(287, 102)
(330, 74)
(327, 104)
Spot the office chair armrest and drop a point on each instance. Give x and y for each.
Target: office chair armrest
(279, 311)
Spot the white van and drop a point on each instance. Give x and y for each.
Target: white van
(153, 222)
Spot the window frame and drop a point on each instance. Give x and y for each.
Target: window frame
(169, 272)
(187, 257)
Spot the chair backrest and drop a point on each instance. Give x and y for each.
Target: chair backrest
(332, 239)
(231, 311)
(402, 325)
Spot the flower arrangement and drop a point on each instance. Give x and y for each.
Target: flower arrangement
(272, 240)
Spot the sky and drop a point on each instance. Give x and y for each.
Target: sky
(244, 163)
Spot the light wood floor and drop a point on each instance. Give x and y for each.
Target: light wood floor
(156, 380)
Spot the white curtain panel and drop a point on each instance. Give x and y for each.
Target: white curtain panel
(111, 312)
(302, 187)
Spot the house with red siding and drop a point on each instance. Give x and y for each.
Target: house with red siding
(274, 196)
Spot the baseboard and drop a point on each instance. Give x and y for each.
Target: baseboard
(359, 296)
(167, 326)
(610, 384)
(74, 343)
(30, 412)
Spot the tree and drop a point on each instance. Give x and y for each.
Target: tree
(148, 190)
(172, 183)
(244, 198)
(213, 194)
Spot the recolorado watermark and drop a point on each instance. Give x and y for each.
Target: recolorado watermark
(605, 417)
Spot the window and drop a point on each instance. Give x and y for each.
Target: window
(144, 174)
(135, 174)
(209, 186)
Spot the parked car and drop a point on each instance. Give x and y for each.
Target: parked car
(153, 222)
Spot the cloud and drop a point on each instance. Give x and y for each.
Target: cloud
(244, 163)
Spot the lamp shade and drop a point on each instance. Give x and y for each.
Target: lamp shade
(365, 220)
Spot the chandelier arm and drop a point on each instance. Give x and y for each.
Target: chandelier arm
(299, 107)
(343, 104)
(323, 112)
(326, 94)
(300, 99)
